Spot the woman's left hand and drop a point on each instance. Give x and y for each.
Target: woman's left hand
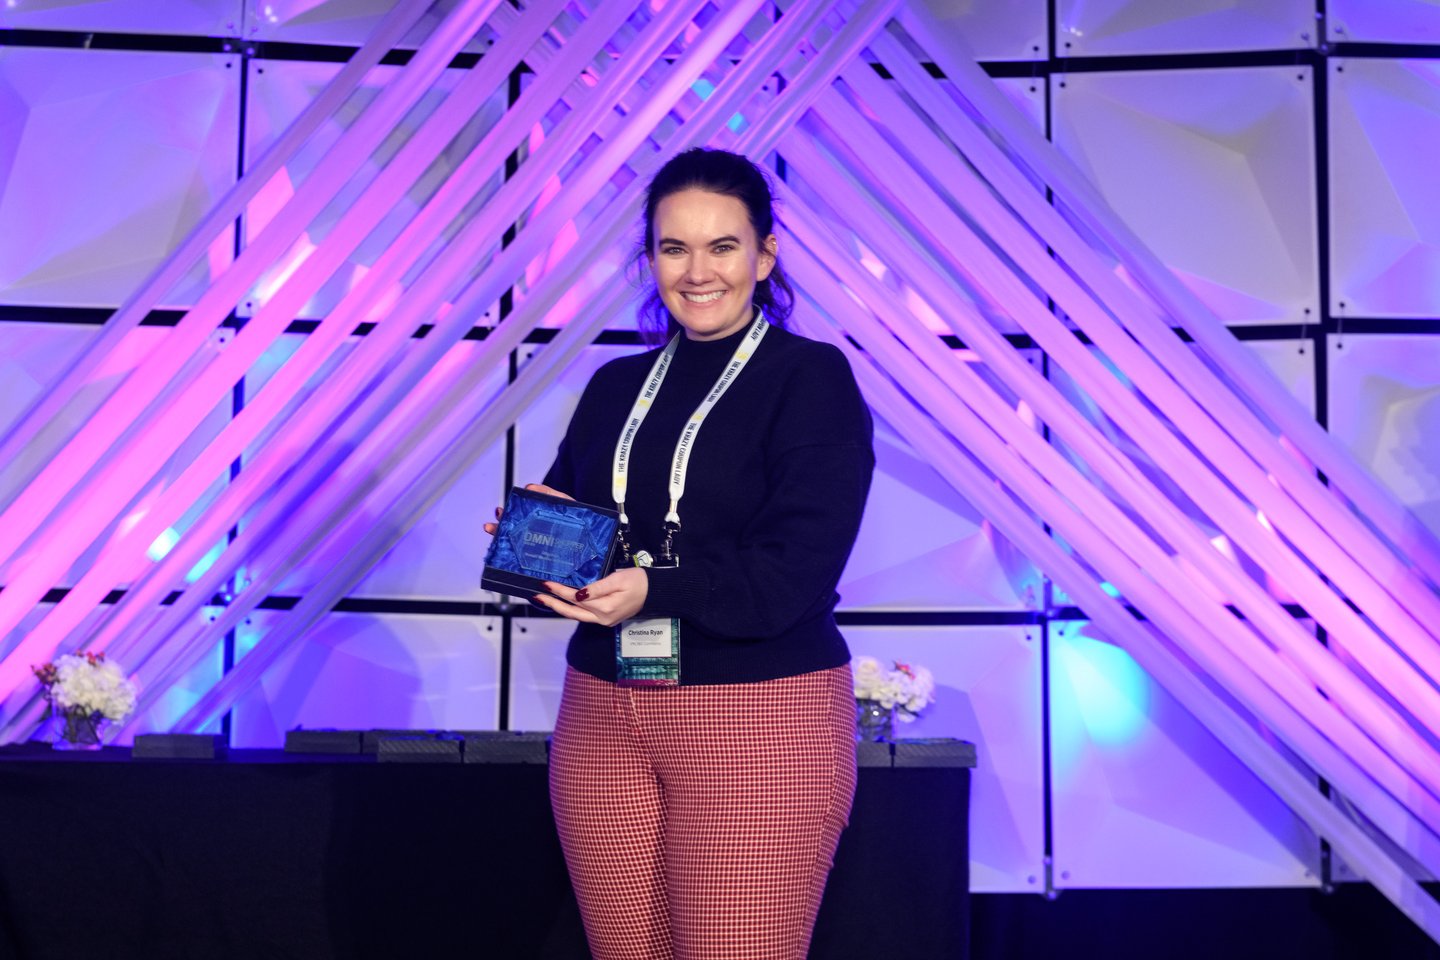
(607, 601)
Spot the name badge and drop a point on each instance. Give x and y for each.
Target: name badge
(647, 653)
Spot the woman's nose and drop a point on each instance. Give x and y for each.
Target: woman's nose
(699, 269)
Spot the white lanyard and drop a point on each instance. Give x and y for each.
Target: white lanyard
(680, 463)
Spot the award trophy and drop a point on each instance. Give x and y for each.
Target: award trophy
(541, 538)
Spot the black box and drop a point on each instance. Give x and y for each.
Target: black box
(301, 740)
(370, 739)
(418, 750)
(872, 754)
(177, 746)
(934, 752)
(507, 746)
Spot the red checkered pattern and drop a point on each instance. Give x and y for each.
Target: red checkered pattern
(700, 822)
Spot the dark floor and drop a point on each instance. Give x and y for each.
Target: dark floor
(1353, 923)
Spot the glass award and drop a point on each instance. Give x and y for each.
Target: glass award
(540, 537)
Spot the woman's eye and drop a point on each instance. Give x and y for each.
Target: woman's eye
(672, 251)
(723, 247)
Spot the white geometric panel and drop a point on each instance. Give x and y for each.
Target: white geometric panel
(1214, 170)
(279, 91)
(357, 671)
(541, 427)
(1088, 28)
(204, 17)
(537, 670)
(347, 22)
(1384, 199)
(31, 356)
(922, 547)
(1384, 405)
(107, 159)
(1143, 796)
(441, 557)
(988, 691)
(1293, 363)
(989, 29)
(1391, 21)
(1027, 93)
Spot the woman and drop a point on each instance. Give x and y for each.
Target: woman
(699, 803)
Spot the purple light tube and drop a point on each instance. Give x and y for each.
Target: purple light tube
(960, 246)
(843, 46)
(1371, 499)
(417, 305)
(1139, 578)
(998, 413)
(156, 375)
(538, 231)
(264, 410)
(1022, 440)
(87, 517)
(24, 432)
(717, 110)
(115, 486)
(1248, 745)
(1005, 507)
(1377, 578)
(1020, 376)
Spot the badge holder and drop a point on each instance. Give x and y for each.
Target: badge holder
(647, 653)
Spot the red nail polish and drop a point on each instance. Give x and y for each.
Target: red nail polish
(582, 595)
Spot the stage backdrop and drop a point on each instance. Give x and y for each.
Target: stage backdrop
(1282, 171)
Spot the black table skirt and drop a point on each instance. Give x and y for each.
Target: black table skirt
(263, 855)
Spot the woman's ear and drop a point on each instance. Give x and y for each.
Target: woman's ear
(768, 247)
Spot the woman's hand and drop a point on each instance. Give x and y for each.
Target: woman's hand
(607, 601)
(490, 528)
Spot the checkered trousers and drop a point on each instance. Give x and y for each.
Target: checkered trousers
(700, 822)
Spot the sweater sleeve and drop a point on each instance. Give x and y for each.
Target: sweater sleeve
(787, 559)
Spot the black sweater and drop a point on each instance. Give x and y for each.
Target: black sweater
(776, 486)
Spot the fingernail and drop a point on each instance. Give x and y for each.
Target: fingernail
(537, 604)
(582, 594)
(497, 513)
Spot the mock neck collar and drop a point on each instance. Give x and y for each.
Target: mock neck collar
(723, 347)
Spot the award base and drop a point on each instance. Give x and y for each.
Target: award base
(511, 584)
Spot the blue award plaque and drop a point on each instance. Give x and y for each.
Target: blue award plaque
(541, 538)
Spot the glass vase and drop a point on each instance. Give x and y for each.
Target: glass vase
(77, 731)
(873, 722)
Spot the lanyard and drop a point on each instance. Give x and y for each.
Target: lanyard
(681, 461)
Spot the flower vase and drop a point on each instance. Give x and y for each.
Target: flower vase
(874, 723)
(77, 731)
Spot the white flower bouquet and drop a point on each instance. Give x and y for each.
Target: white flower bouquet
(85, 689)
(906, 689)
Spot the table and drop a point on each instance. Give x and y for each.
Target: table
(268, 854)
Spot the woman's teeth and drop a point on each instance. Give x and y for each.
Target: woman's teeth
(703, 297)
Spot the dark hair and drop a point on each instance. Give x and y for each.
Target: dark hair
(731, 175)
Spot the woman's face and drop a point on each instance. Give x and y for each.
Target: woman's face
(707, 260)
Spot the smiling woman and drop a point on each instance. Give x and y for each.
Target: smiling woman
(686, 834)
